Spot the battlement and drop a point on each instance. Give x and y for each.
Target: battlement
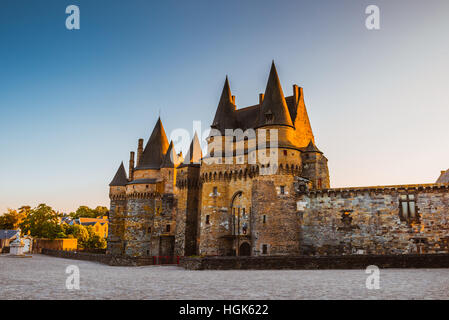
(384, 189)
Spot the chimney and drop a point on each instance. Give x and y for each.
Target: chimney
(261, 96)
(296, 93)
(139, 151)
(131, 166)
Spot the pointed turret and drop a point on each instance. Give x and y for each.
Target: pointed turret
(301, 118)
(194, 154)
(444, 177)
(170, 159)
(311, 147)
(224, 116)
(120, 178)
(155, 150)
(274, 110)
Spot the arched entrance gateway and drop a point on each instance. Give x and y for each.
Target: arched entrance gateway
(240, 225)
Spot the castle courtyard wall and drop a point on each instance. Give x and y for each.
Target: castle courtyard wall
(371, 221)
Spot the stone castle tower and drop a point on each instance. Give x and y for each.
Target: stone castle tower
(244, 210)
(238, 199)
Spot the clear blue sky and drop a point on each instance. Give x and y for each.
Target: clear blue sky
(74, 103)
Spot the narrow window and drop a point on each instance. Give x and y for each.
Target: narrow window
(264, 219)
(167, 228)
(285, 152)
(207, 219)
(215, 192)
(282, 189)
(264, 249)
(319, 183)
(346, 219)
(407, 208)
(149, 229)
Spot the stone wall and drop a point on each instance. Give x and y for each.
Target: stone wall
(112, 260)
(97, 257)
(315, 169)
(116, 229)
(375, 220)
(312, 263)
(187, 211)
(246, 206)
(275, 222)
(218, 227)
(139, 224)
(150, 224)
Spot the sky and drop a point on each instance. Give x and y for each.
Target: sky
(73, 103)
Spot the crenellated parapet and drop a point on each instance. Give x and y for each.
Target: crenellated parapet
(144, 195)
(389, 189)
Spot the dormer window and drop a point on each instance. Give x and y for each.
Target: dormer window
(269, 116)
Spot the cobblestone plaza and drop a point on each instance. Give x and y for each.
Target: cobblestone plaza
(44, 277)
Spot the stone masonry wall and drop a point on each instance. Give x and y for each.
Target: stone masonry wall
(116, 227)
(371, 221)
(275, 222)
(139, 226)
(313, 263)
(187, 211)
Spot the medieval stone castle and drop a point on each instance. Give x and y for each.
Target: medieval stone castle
(226, 204)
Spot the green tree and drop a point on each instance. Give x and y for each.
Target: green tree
(11, 220)
(43, 222)
(101, 211)
(81, 233)
(86, 212)
(94, 241)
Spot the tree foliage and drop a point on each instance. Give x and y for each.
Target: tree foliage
(86, 236)
(11, 220)
(86, 212)
(42, 222)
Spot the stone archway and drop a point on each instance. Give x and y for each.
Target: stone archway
(245, 249)
(240, 223)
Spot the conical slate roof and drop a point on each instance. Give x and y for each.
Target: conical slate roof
(311, 147)
(274, 108)
(194, 154)
(224, 116)
(301, 120)
(156, 148)
(444, 177)
(120, 178)
(170, 159)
